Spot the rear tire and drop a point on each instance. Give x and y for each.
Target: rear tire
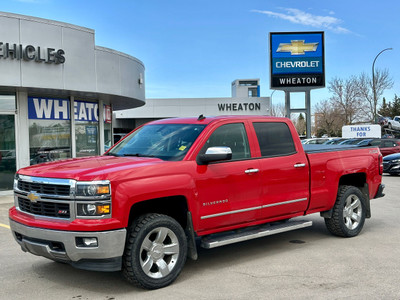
(348, 215)
(155, 251)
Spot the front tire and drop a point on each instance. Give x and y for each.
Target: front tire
(348, 213)
(155, 251)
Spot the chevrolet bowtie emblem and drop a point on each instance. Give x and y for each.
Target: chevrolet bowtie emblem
(297, 47)
(33, 197)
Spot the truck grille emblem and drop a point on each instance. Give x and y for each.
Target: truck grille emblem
(33, 197)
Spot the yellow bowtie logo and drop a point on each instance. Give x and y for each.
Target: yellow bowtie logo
(297, 47)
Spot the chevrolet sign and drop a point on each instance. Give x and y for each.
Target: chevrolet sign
(297, 60)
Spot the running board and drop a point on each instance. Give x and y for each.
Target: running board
(222, 239)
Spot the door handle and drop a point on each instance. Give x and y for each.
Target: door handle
(250, 171)
(299, 165)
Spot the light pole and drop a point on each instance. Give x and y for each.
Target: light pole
(373, 81)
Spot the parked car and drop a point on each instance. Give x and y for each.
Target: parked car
(314, 141)
(395, 123)
(391, 164)
(384, 121)
(334, 141)
(369, 142)
(389, 146)
(175, 184)
(350, 141)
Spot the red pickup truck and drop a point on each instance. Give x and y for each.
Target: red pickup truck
(173, 184)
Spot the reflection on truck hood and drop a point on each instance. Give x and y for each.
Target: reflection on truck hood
(88, 168)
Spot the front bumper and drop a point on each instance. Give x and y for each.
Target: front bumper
(65, 246)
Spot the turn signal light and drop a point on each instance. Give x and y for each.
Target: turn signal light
(103, 209)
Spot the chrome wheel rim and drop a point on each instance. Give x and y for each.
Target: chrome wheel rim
(352, 212)
(159, 252)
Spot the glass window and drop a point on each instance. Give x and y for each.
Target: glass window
(87, 142)
(49, 129)
(107, 136)
(7, 151)
(49, 140)
(7, 102)
(107, 127)
(165, 141)
(233, 136)
(86, 116)
(274, 138)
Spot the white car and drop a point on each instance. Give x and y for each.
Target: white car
(395, 123)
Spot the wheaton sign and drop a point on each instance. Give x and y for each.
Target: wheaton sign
(297, 60)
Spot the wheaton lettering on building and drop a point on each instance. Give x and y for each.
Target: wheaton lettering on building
(297, 60)
(239, 106)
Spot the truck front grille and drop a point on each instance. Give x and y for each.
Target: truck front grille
(47, 209)
(45, 197)
(43, 188)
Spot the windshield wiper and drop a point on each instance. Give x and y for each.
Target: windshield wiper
(112, 154)
(137, 155)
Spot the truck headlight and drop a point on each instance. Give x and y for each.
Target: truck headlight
(93, 199)
(93, 189)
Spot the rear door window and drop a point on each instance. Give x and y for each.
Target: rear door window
(274, 138)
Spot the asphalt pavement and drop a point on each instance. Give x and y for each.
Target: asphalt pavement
(6, 197)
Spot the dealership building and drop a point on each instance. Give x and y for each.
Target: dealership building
(245, 100)
(57, 92)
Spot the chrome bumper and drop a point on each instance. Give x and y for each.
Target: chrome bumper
(64, 246)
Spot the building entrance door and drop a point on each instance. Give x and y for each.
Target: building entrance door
(7, 151)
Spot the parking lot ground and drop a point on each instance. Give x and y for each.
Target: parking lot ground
(308, 263)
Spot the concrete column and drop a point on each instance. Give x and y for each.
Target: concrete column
(72, 117)
(101, 126)
(22, 131)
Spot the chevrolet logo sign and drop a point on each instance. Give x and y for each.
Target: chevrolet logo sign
(297, 47)
(33, 197)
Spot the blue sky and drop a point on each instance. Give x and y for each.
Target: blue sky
(197, 48)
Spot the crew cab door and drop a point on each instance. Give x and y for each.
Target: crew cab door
(228, 191)
(284, 171)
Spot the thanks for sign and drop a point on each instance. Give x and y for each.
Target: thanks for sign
(58, 109)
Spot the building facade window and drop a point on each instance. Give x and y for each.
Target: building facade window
(86, 128)
(108, 141)
(7, 141)
(49, 129)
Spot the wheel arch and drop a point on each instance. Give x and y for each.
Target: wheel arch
(358, 180)
(174, 206)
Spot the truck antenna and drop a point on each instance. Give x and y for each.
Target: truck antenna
(201, 117)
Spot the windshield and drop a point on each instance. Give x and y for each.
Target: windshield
(164, 141)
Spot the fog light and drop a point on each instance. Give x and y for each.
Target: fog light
(90, 209)
(90, 242)
(86, 242)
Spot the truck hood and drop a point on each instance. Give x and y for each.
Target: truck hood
(89, 168)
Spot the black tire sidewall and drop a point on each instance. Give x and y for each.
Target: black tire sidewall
(140, 230)
(342, 202)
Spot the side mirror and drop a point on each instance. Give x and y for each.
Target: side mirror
(214, 154)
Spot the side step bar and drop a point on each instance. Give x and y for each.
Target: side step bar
(222, 239)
